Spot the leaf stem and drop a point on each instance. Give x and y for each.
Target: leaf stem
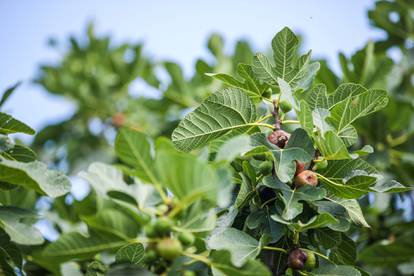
(198, 258)
(275, 249)
(290, 122)
(328, 180)
(265, 118)
(264, 125)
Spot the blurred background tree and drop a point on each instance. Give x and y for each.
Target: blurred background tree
(106, 82)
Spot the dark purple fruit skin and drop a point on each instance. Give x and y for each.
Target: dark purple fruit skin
(279, 138)
(297, 259)
(306, 177)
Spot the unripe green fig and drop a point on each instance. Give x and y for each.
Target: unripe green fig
(266, 167)
(279, 138)
(163, 225)
(150, 256)
(306, 177)
(297, 259)
(267, 94)
(310, 260)
(186, 238)
(162, 208)
(169, 249)
(150, 231)
(300, 167)
(285, 106)
(322, 164)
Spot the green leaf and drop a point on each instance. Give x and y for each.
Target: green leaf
(336, 270)
(222, 265)
(352, 207)
(115, 222)
(286, 93)
(318, 221)
(188, 177)
(9, 250)
(353, 187)
(305, 117)
(343, 114)
(223, 111)
(20, 153)
(242, 246)
(233, 147)
(345, 252)
(332, 147)
(75, 245)
(197, 219)
(132, 253)
(298, 72)
(9, 125)
(9, 91)
(328, 238)
(348, 178)
(18, 224)
(250, 85)
(133, 148)
(34, 175)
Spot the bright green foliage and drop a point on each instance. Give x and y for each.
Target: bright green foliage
(220, 198)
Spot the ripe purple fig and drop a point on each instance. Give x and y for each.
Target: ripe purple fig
(279, 138)
(297, 259)
(306, 177)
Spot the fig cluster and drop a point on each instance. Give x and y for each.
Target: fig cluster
(167, 245)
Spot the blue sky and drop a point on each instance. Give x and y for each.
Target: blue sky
(170, 29)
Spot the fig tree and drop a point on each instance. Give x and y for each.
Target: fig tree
(306, 177)
(279, 138)
(169, 249)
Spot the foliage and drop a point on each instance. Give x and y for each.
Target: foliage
(282, 166)
(21, 177)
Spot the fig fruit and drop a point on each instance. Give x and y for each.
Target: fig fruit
(150, 256)
(149, 230)
(279, 138)
(322, 164)
(285, 106)
(311, 260)
(300, 167)
(297, 259)
(169, 249)
(186, 238)
(163, 225)
(306, 177)
(118, 119)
